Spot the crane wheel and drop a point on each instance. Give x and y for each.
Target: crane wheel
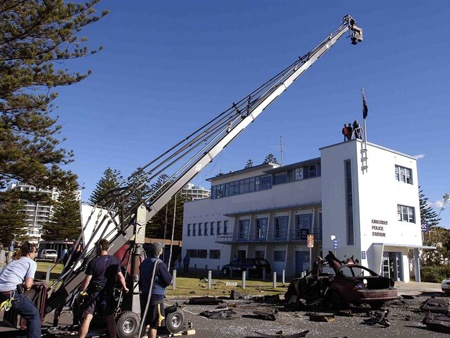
(128, 325)
(175, 321)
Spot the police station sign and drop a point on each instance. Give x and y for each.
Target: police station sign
(378, 228)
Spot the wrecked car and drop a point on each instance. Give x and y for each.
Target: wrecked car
(344, 284)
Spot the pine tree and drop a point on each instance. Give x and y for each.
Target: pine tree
(37, 39)
(160, 226)
(249, 164)
(435, 236)
(270, 159)
(111, 180)
(65, 221)
(12, 217)
(427, 215)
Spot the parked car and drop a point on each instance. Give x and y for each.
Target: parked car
(445, 286)
(346, 283)
(49, 254)
(254, 266)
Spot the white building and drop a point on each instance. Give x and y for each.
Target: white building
(365, 199)
(194, 192)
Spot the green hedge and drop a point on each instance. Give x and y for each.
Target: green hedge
(434, 274)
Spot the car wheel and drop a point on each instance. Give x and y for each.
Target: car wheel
(128, 325)
(175, 321)
(226, 271)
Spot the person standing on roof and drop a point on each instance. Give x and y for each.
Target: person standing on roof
(345, 132)
(154, 274)
(18, 273)
(101, 274)
(357, 130)
(350, 131)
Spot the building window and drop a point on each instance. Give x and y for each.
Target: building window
(349, 202)
(212, 228)
(244, 225)
(194, 226)
(403, 174)
(279, 256)
(214, 254)
(243, 186)
(189, 230)
(406, 214)
(298, 174)
(219, 225)
(200, 226)
(225, 227)
(261, 229)
(303, 221)
(280, 227)
(194, 253)
(280, 178)
(206, 229)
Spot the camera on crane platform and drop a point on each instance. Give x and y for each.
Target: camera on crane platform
(357, 33)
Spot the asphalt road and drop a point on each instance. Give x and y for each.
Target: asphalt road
(404, 316)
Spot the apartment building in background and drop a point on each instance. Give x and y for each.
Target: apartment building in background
(37, 213)
(193, 192)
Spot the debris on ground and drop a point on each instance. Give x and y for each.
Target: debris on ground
(379, 317)
(206, 300)
(280, 334)
(270, 314)
(437, 305)
(437, 321)
(219, 313)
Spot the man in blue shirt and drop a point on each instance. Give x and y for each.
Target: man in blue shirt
(99, 282)
(21, 272)
(153, 269)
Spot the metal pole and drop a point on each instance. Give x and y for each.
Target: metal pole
(274, 279)
(310, 259)
(174, 279)
(243, 279)
(209, 279)
(47, 276)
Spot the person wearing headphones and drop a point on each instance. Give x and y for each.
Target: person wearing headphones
(17, 274)
(101, 274)
(154, 278)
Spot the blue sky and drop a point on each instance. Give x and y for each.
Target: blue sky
(168, 67)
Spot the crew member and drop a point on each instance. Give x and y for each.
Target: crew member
(16, 278)
(101, 273)
(161, 280)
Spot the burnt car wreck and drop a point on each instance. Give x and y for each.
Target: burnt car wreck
(339, 284)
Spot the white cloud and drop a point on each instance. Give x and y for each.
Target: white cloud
(439, 204)
(419, 157)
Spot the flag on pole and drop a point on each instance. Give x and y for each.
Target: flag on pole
(365, 109)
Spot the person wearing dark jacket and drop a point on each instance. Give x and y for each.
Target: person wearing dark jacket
(154, 274)
(101, 274)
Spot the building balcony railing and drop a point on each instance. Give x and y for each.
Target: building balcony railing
(241, 237)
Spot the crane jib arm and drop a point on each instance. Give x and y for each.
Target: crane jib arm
(123, 212)
(286, 79)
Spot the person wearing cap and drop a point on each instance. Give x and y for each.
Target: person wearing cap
(98, 284)
(20, 272)
(154, 274)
